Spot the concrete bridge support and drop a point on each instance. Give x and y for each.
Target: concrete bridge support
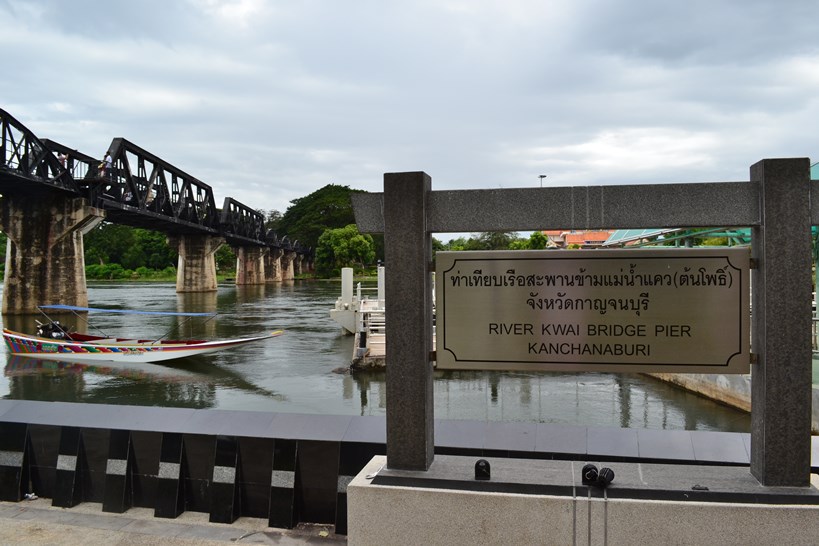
(273, 265)
(250, 265)
(197, 262)
(288, 257)
(44, 256)
(298, 265)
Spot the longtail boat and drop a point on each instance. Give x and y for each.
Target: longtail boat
(54, 341)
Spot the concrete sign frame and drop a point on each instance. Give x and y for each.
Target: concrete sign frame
(776, 203)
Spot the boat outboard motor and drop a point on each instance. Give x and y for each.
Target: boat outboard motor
(52, 330)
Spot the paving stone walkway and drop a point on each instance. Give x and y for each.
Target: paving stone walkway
(35, 522)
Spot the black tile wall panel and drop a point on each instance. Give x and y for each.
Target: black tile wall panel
(14, 462)
(44, 446)
(170, 500)
(118, 493)
(509, 439)
(146, 449)
(254, 474)
(70, 461)
(317, 481)
(256, 461)
(225, 501)
(93, 465)
(283, 484)
(199, 453)
(198, 464)
(353, 456)
(255, 500)
(196, 495)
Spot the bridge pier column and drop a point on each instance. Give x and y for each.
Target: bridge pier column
(197, 262)
(288, 257)
(250, 265)
(298, 264)
(273, 265)
(44, 255)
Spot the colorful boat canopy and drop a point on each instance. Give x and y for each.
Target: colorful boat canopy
(122, 311)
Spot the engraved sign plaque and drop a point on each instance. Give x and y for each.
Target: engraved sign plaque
(642, 310)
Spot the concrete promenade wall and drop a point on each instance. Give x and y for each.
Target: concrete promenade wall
(288, 468)
(733, 390)
(544, 502)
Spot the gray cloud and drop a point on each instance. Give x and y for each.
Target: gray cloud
(269, 101)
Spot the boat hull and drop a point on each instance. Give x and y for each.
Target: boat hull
(121, 351)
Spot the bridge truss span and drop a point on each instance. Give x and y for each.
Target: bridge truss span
(26, 164)
(145, 191)
(52, 194)
(241, 224)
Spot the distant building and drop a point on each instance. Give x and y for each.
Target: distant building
(585, 239)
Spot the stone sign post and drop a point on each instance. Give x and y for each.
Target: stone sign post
(776, 203)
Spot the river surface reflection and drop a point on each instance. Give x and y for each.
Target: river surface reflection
(296, 372)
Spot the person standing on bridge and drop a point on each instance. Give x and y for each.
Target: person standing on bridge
(106, 166)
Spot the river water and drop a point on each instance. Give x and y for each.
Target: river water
(298, 371)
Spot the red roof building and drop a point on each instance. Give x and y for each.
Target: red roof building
(585, 239)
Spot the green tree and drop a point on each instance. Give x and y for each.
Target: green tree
(493, 240)
(456, 244)
(225, 259)
(131, 247)
(308, 217)
(519, 244)
(343, 247)
(107, 243)
(154, 245)
(272, 219)
(714, 241)
(538, 241)
(436, 246)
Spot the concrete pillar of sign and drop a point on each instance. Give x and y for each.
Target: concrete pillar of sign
(408, 245)
(197, 262)
(250, 265)
(44, 255)
(288, 257)
(273, 265)
(781, 281)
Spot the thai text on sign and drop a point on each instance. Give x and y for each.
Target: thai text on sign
(647, 310)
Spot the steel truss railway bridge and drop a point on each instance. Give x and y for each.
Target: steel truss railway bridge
(52, 195)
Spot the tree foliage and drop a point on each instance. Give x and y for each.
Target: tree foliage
(272, 219)
(343, 247)
(538, 241)
(130, 247)
(308, 217)
(489, 240)
(225, 258)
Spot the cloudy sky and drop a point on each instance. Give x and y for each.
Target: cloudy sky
(268, 101)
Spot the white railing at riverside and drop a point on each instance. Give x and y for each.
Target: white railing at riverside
(372, 322)
(359, 290)
(370, 331)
